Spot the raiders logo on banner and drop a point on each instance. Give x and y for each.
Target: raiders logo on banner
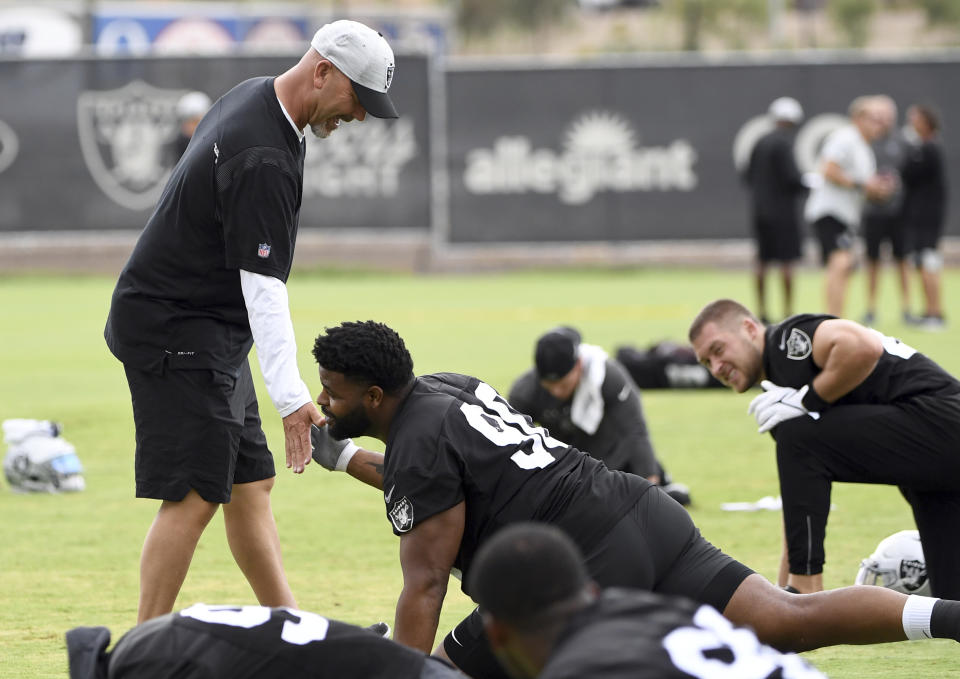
(9, 146)
(124, 137)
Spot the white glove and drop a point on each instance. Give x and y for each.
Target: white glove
(329, 452)
(778, 404)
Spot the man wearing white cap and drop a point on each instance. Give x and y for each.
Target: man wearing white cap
(775, 189)
(206, 281)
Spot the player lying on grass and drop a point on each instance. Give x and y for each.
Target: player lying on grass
(844, 403)
(460, 464)
(545, 618)
(247, 642)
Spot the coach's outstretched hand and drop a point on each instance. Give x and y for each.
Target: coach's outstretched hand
(296, 434)
(329, 452)
(778, 404)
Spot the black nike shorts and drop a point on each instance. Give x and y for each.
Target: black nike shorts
(654, 547)
(196, 429)
(880, 228)
(833, 235)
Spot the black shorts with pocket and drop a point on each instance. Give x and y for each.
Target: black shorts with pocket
(196, 429)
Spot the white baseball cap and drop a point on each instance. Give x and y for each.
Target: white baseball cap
(363, 55)
(193, 105)
(786, 108)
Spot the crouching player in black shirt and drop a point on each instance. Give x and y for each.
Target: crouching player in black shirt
(460, 464)
(247, 642)
(545, 618)
(845, 403)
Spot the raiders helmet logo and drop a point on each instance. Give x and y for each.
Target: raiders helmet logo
(798, 345)
(124, 135)
(389, 75)
(913, 574)
(402, 515)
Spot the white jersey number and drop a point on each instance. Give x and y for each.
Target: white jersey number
(310, 627)
(715, 649)
(503, 427)
(894, 346)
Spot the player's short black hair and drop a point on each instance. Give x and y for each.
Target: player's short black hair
(365, 351)
(718, 311)
(526, 571)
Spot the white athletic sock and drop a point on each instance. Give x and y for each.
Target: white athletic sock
(916, 616)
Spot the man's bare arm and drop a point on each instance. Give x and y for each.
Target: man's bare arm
(427, 554)
(847, 353)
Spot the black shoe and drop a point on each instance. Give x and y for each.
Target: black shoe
(791, 590)
(868, 319)
(381, 629)
(678, 492)
(910, 319)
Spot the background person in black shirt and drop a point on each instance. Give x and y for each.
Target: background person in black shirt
(460, 464)
(844, 403)
(545, 618)
(587, 399)
(207, 280)
(925, 182)
(775, 191)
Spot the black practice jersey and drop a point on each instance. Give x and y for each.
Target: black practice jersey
(901, 372)
(630, 634)
(621, 440)
(232, 202)
(253, 642)
(456, 439)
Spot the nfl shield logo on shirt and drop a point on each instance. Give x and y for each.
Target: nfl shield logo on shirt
(263, 250)
(402, 515)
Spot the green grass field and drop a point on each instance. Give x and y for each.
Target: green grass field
(73, 559)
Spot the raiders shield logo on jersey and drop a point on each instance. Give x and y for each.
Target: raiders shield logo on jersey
(402, 515)
(798, 345)
(124, 136)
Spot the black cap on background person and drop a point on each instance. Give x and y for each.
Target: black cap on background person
(363, 55)
(556, 353)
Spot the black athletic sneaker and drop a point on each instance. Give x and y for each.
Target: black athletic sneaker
(381, 629)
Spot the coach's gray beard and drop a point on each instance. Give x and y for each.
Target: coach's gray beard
(324, 129)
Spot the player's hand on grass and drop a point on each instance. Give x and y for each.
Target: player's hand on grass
(331, 453)
(296, 433)
(778, 404)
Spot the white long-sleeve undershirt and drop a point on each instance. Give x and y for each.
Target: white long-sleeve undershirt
(268, 311)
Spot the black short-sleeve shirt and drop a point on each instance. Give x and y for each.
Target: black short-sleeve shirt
(900, 373)
(251, 642)
(232, 202)
(621, 440)
(456, 439)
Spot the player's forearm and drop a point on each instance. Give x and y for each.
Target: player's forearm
(418, 616)
(367, 466)
(834, 174)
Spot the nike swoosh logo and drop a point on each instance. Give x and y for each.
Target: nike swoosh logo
(386, 498)
(622, 396)
(783, 340)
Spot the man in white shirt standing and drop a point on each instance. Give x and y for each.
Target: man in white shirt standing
(206, 281)
(848, 177)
